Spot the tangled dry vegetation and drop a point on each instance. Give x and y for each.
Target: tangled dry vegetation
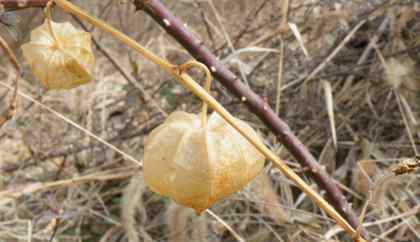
(358, 115)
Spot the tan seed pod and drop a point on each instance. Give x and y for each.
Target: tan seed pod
(60, 57)
(196, 164)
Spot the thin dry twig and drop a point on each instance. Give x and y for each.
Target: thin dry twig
(121, 70)
(10, 112)
(74, 124)
(38, 186)
(230, 229)
(334, 52)
(283, 31)
(400, 106)
(329, 102)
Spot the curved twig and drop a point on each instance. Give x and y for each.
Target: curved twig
(188, 65)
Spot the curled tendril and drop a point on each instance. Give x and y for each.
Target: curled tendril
(209, 78)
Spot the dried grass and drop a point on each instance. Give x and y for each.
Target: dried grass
(374, 83)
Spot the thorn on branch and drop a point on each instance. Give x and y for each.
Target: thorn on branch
(141, 4)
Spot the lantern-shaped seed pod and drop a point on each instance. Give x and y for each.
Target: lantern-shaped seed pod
(60, 55)
(196, 164)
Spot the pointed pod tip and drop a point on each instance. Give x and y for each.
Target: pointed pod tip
(199, 212)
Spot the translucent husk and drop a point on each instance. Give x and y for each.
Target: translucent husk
(59, 55)
(195, 160)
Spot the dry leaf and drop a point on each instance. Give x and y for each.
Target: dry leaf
(365, 170)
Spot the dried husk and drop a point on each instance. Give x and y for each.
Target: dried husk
(197, 164)
(64, 62)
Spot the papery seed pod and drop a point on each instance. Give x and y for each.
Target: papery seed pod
(197, 164)
(60, 57)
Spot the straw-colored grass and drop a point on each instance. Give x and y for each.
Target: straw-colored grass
(58, 183)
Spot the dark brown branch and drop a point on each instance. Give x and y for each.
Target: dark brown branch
(9, 5)
(256, 104)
